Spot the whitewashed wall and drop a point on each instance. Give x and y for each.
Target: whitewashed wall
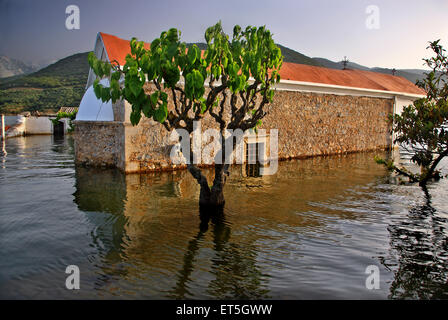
(402, 102)
(38, 125)
(34, 125)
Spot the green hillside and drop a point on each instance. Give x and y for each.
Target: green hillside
(59, 84)
(338, 65)
(290, 55)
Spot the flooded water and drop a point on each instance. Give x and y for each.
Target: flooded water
(308, 232)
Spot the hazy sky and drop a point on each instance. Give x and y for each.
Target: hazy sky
(34, 31)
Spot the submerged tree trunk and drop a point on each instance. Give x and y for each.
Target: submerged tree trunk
(211, 196)
(430, 172)
(217, 191)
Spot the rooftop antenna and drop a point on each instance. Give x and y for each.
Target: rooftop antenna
(345, 63)
(394, 71)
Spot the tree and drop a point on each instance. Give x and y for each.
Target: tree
(69, 115)
(239, 73)
(422, 128)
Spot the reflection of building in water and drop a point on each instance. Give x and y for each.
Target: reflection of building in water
(147, 229)
(33, 149)
(129, 196)
(119, 207)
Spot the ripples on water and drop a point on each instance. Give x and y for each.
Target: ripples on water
(308, 232)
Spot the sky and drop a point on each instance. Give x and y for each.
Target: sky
(394, 35)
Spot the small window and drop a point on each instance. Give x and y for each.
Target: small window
(253, 159)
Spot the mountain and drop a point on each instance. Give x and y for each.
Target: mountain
(338, 65)
(12, 67)
(63, 83)
(290, 55)
(59, 84)
(411, 74)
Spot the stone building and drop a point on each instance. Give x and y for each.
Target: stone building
(317, 111)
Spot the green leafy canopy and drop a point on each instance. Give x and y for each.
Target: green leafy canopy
(69, 115)
(235, 64)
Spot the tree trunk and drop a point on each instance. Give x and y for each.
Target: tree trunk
(211, 197)
(429, 173)
(217, 191)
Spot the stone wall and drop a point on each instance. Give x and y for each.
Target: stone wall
(312, 124)
(309, 124)
(99, 144)
(147, 147)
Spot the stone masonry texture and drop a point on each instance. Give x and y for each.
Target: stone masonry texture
(309, 124)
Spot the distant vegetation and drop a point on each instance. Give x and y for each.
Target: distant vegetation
(69, 115)
(60, 84)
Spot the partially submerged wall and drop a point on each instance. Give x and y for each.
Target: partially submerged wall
(99, 143)
(309, 124)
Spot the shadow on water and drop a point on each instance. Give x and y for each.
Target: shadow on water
(420, 243)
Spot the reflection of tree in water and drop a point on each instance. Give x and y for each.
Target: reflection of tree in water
(421, 246)
(237, 275)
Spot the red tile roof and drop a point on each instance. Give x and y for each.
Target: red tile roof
(117, 49)
(348, 78)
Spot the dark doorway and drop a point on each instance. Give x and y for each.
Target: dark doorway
(58, 129)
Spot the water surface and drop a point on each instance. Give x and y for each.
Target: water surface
(308, 232)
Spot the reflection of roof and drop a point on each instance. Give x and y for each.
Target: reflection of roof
(117, 49)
